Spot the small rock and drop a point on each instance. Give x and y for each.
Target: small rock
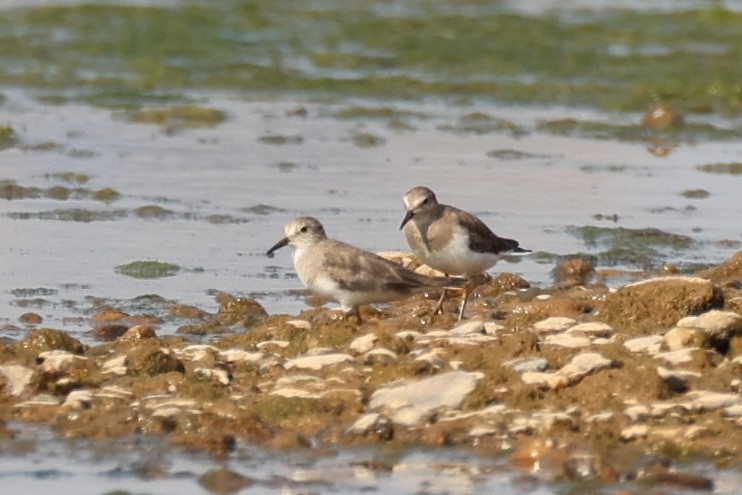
(568, 341)
(637, 412)
(634, 432)
(187, 311)
(677, 357)
(16, 378)
(380, 356)
(411, 402)
(372, 423)
(300, 324)
(116, 366)
(551, 381)
(651, 344)
(679, 337)
(235, 355)
(433, 358)
(30, 318)
(468, 328)
(720, 325)
(492, 328)
(662, 116)
(363, 344)
(58, 361)
(219, 375)
(703, 400)
(78, 399)
(660, 301)
(591, 329)
(317, 362)
(138, 332)
(109, 315)
(109, 332)
(583, 364)
(223, 481)
(522, 365)
(554, 324)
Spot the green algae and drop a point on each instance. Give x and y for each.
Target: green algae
(7, 137)
(148, 269)
(71, 177)
(638, 247)
(636, 132)
(129, 55)
(178, 117)
(153, 212)
(695, 194)
(367, 140)
(482, 123)
(730, 168)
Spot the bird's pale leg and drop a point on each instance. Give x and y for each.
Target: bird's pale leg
(464, 299)
(471, 284)
(439, 306)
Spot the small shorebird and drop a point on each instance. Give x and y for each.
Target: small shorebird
(347, 274)
(451, 240)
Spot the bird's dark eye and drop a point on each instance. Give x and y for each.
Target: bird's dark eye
(304, 229)
(425, 201)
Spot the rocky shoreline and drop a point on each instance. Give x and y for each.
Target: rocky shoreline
(572, 382)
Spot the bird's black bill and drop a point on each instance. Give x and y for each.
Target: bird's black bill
(277, 246)
(407, 217)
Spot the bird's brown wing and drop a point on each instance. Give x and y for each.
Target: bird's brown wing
(481, 238)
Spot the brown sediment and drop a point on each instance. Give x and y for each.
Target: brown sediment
(577, 378)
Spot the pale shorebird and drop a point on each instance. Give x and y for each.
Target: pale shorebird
(349, 275)
(451, 240)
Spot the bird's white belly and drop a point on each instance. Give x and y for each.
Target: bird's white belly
(456, 258)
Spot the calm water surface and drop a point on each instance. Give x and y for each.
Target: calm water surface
(229, 191)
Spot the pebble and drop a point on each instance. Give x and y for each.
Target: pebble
(492, 328)
(139, 332)
(634, 432)
(199, 352)
(468, 328)
(651, 344)
(17, 378)
(554, 324)
(236, 355)
(591, 329)
(679, 337)
(78, 399)
(366, 423)
(704, 400)
(637, 412)
(568, 341)
(432, 357)
(116, 366)
(300, 324)
(380, 356)
(221, 376)
(58, 361)
(583, 364)
(363, 344)
(411, 402)
(317, 362)
(715, 323)
(223, 481)
(522, 365)
(677, 357)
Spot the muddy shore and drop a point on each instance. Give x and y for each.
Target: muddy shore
(576, 381)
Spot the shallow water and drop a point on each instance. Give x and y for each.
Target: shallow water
(225, 193)
(229, 190)
(36, 461)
